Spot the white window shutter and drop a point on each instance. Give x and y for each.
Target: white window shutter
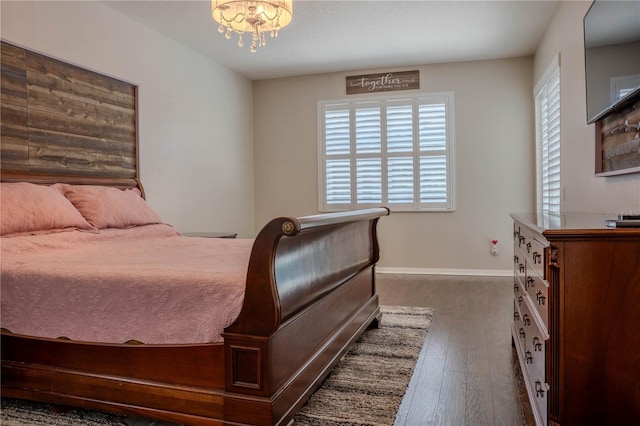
(369, 180)
(401, 186)
(395, 151)
(400, 128)
(368, 130)
(548, 135)
(337, 148)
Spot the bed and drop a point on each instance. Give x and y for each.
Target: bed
(308, 293)
(303, 295)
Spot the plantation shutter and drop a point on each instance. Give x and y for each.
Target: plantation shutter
(433, 149)
(338, 167)
(548, 134)
(368, 147)
(400, 149)
(394, 152)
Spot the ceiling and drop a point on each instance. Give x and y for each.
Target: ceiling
(334, 36)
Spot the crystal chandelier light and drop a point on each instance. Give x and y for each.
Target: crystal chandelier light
(255, 17)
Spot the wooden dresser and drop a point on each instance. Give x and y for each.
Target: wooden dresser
(576, 318)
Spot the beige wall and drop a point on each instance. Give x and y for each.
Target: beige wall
(494, 151)
(196, 157)
(583, 191)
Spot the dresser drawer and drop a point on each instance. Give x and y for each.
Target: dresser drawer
(538, 291)
(529, 284)
(540, 397)
(519, 266)
(532, 246)
(534, 355)
(531, 346)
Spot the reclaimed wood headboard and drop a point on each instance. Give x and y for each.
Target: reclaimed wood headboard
(64, 123)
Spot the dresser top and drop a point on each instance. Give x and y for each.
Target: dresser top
(572, 224)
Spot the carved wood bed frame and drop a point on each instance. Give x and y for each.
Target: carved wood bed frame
(310, 294)
(310, 288)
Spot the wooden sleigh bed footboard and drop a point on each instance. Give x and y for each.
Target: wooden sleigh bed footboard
(310, 293)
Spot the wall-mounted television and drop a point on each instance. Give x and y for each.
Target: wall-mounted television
(612, 56)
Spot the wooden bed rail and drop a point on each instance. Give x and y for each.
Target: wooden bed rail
(72, 180)
(122, 183)
(319, 220)
(276, 284)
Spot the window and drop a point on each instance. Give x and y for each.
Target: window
(396, 152)
(548, 140)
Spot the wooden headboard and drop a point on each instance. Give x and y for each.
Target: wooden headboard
(64, 123)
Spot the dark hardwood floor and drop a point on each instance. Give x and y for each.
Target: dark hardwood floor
(468, 372)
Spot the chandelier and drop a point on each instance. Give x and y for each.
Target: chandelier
(255, 17)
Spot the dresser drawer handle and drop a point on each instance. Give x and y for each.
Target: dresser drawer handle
(528, 357)
(523, 335)
(537, 257)
(541, 298)
(516, 316)
(515, 259)
(516, 288)
(528, 247)
(539, 390)
(522, 268)
(537, 346)
(526, 319)
(520, 299)
(520, 240)
(529, 282)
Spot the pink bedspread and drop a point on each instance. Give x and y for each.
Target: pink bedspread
(146, 283)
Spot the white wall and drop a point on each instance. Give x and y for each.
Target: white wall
(196, 154)
(583, 191)
(494, 163)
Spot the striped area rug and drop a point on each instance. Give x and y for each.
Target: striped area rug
(365, 388)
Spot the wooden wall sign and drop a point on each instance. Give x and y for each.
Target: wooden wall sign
(383, 82)
(61, 118)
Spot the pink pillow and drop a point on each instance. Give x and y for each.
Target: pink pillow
(107, 207)
(27, 208)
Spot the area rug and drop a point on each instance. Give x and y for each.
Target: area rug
(365, 388)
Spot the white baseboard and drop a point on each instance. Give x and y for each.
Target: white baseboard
(435, 271)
